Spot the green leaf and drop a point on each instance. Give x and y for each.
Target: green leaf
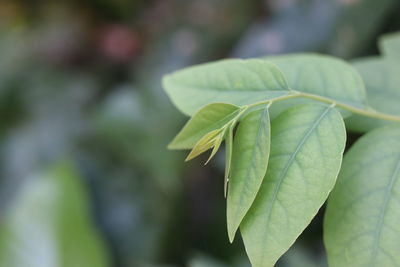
(49, 224)
(382, 82)
(234, 81)
(212, 139)
(323, 75)
(361, 226)
(307, 144)
(217, 144)
(390, 46)
(207, 119)
(249, 163)
(228, 156)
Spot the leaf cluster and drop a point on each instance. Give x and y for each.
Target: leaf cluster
(283, 122)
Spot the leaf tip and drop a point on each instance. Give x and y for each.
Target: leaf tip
(226, 181)
(174, 145)
(214, 151)
(231, 236)
(188, 158)
(231, 230)
(165, 79)
(170, 146)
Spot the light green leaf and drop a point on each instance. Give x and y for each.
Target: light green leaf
(249, 163)
(207, 119)
(49, 224)
(208, 141)
(361, 226)
(228, 156)
(234, 81)
(322, 75)
(217, 144)
(390, 46)
(307, 144)
(382, 80)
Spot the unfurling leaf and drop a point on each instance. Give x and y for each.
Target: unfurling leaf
(212, 139)
(217, 144)
(207, 119)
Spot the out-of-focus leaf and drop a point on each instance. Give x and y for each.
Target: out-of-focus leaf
(300, 255)
(48, 225)
(333, 27)
(232, 81)
(300, 26)
(361, 226)
(390, 46)
(204, 261)
(382, 80)
(351, 34)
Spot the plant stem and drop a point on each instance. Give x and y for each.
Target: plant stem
(364, 112)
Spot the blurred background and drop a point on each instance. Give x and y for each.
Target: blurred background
(85, 176)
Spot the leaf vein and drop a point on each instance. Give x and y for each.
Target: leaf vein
(288, 164)
(388, 193)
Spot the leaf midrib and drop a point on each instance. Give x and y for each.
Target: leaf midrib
(228, 90)
(261, 126)
(388, 193)
(286, 169)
